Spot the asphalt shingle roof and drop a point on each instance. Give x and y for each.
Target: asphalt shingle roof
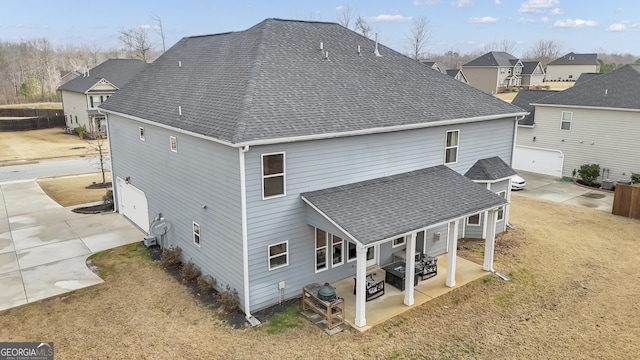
(528, 67)
(616, 89)
(489, 169)
(382, 208)
(494, 58)
(576, 59)
(116, 71)
(586, 77)
(525, 98)
(273, 82)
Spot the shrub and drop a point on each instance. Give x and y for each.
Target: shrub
(228, 300)
(515, 89)
(170, 257)
(206, 283)
(589, 173)
(107, 199)
(635, 178)
(80, 131)
(189, 271)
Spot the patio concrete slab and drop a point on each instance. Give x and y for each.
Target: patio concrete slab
(8, 262)
(6, 243)
(12, 293)
(42, 235)
(49, 253)
(42, 218)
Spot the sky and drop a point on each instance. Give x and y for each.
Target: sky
(611, 26)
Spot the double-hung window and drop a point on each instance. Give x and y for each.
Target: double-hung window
(500, 216)
(273, 175)
(337, 251)
(141, 132)
(173, 141)
(278, 255)
(321, 250)
(351, 251)
(196, 233)
(565, 124)
(451, 146)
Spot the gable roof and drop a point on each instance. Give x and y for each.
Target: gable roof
(525, 98)
(494, 58)
(117, 71)
(576, 59)
(586, 77)
(386, 207)
(273, 83)
(616, 89)
(528, 67)
(489, 169)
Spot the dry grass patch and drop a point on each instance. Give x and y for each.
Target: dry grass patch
(71, 190)
(43, 105)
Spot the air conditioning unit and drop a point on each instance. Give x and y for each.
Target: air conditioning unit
(149, 241)
(607, 184)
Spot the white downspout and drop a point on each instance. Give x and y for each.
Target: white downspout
(113, 178)
(245, 241)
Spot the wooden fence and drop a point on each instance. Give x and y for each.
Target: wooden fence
(31, 119)
(626, 201)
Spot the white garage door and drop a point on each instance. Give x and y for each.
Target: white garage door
(541, 161)
(132, 203)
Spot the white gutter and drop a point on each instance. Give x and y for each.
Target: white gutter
(245, 240)
(587, 107)
(515, 136)
(331, 221)
(377, 130)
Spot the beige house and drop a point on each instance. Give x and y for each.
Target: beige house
(82, 95)
(532, 74)
(596, 121)
(494, 72)
(570, 66)
(458, 75)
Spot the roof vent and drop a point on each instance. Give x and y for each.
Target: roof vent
(606, 91)
(359, 50)
(179, 63)
(321, 45)
(376, 52)
(179, 110)
(326, 55)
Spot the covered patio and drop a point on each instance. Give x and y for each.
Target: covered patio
(375, 212)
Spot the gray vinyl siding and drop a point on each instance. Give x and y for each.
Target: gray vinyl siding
(496, 188)
(605, 137)
(320, 164)
(474, 231)
(179, 185)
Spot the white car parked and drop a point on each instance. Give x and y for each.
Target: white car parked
(517, 183)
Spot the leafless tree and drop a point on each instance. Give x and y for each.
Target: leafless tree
(99, 145)
(363, 26)
(344, 16)
(137, 41)
(544, 51)
(509, 46)
(159, 29)
(420, 35)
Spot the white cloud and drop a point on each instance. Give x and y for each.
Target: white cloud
(482, 20)
(390, 18)
(340, 7)
(32, 26)
(426, 2)
(543, 19)
(577, 23)
(537, 6)
(556, 11)
(461, 3)
(625, 25)
(619, 10)
(497, 2)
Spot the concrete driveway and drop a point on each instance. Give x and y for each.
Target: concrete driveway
(551, 189)
(44, 247)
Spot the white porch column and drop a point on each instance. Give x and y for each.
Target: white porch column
(361, 287)
(409, 269)
(490, 241)
(453, 252)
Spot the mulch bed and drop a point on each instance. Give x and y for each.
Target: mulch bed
(95, 209)
(96, 185)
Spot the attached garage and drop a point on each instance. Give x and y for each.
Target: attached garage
(132, 203)
(537, 160)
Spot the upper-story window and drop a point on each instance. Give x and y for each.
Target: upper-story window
(173, 143)
(565, 124)
(451, 147)
(141, 133)
(273, 175)
(97, 100)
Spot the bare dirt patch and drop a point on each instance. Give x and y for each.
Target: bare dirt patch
(23, 146)
(72, 190)
(573, 294)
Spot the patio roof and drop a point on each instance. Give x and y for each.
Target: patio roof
(379, 209)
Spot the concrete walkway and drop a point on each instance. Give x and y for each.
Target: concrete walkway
(552, 189)
(44, 247)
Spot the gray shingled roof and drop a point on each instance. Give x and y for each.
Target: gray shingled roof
(525, 98)
(586, 77)
(494, 58)
(273, 82)
(382, 208)
(616, 89)
(576, 59)
(528, 67)
(116, 71)
(489, 169)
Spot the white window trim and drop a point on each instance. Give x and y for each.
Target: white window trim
(173, 139)
(141, 133)
(284, 175)
(457, 147)
(503, 208)
(479, 220)
(562, 120)
(286, 255)
(341, 250)
(347, 252)
(316, 248)
(198, 234)
(403, 243)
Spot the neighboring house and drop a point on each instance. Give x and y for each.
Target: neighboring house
(458, 75)
(279, 165)
(82, 95)
(432, 64)
(66, 76)
(532, 74)
(525, 98)
(596, 121)
(570, 66)
(586, 77)
(494, 72)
